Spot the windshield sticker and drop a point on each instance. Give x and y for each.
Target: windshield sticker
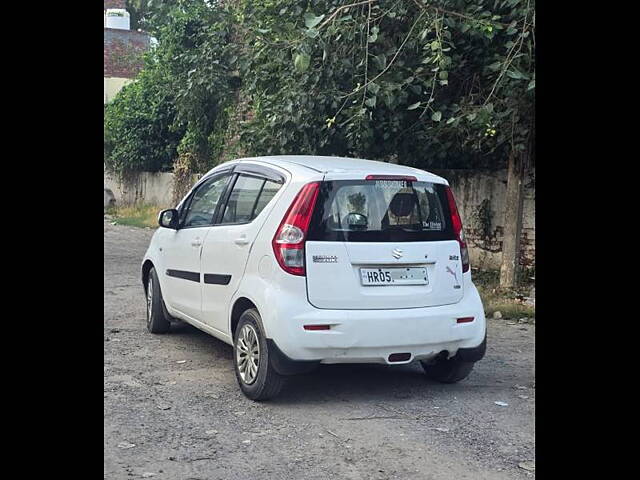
(391, 184)
(432, 225)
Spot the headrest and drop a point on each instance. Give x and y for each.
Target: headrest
(402, 204)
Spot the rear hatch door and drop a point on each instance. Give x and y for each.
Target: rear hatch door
(380, 244)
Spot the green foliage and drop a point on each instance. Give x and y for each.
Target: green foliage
(440, 84)
(388, 78)
(140, 131)
(144, 12)
(175, 102)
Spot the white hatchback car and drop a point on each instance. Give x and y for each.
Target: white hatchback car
(301, 260)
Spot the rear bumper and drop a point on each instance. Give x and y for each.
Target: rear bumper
(473, 354)
(370, 336)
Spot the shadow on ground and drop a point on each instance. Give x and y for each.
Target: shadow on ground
(345, 382)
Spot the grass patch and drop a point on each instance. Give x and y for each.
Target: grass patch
(142, 216)
(510, 303)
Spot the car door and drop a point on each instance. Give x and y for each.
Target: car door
(227, 247)
(181, 248)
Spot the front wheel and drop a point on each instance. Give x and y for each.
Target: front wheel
(256, 376)
(448, 371)
(157, 321)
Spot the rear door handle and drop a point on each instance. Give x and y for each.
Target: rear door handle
(196, 242)
(241, 241)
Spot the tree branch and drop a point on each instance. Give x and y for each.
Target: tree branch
(510, 58)
(422, 6)
(333, 15)
(366, 57)
(435, 75)
(390, 63)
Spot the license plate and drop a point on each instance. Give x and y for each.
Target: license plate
(394, 276)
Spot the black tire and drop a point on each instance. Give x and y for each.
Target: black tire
(448, 371)
(157, 321)
(266, 383)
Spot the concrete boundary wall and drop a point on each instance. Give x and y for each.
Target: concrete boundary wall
(480, 195)
(143, 188)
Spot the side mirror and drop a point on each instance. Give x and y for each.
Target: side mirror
(168, 219)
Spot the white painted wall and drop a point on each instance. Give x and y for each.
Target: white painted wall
(112, 85)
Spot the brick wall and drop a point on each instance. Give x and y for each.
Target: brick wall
(123, 50)
(114, 4)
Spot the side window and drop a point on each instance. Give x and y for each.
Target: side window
(204, 202)
(242, 200)
(248, 197)
(268, 192)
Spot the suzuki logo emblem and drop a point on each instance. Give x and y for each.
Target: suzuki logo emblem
(397, 253)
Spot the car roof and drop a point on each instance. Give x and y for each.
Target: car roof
(342, 165)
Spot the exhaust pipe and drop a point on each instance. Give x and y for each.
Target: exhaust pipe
(399, 357)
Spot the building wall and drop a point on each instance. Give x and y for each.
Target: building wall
(480, 196)
(143, 188)
(112, 85)
(114, 4)
(123, 52)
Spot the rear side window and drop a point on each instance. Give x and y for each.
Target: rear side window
(248, 198)
(381, 211)
(269, 190)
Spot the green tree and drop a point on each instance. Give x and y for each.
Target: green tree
(446, 83)
(140, 129)
(144, 13)
(433, 84)
(170, 111)
(437, 84)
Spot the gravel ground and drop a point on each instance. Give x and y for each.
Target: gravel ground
(173, 410)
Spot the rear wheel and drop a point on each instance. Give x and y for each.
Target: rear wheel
(157, 321)
(257, 378)
(448, 370)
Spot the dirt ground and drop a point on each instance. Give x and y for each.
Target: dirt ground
(173, 410)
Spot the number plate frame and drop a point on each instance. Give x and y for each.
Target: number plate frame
(393, 276)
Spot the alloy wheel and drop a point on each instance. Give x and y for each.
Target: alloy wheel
(149, 299)
(248, 354)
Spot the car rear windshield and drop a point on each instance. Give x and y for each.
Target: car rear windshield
(381, 211)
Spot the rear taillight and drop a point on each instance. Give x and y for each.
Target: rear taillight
(457, 230)
(288, 242)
